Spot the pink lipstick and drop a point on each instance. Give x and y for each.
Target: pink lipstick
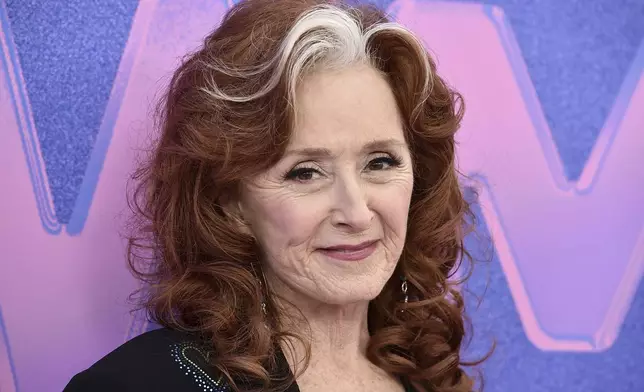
(350, 252)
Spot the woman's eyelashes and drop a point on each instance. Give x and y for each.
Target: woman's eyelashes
(301, 174)
(384, 162)
(305, 172)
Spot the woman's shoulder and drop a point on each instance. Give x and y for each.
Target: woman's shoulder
(159, 360)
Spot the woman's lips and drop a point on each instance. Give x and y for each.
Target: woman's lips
(350, 252)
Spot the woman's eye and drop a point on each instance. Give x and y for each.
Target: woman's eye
(382, 163)
(302, 174)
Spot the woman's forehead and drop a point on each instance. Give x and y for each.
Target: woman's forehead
(355, 105)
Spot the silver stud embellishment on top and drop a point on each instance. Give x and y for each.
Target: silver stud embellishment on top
(188, 366)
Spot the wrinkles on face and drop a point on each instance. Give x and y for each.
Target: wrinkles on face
(346, 178)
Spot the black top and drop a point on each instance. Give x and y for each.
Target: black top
(159, 360)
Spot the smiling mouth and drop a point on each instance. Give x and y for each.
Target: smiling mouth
(350, 252)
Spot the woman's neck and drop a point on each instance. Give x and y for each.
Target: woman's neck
(338, 330)
(337, 334)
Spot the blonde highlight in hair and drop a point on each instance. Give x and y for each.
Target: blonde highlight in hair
(324, 36)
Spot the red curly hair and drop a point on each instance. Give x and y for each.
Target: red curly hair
(227, 116)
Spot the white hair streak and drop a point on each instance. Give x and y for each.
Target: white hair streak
(325, 35)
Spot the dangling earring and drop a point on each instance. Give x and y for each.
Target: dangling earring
(404, 289)
(263, 304)
(264, 291)
(264, 288)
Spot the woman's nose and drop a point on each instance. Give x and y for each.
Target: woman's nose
(351, 205)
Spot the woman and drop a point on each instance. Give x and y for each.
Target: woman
(304, 214)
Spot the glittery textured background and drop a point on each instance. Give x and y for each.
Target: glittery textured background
(577, 53)
(69, 52)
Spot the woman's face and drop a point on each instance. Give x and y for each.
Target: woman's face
(331, 215)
